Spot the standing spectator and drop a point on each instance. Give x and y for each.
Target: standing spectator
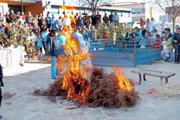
(53, 46)
(1, 17)
(138, 32)
(40, 44)
(48, 21)
(157, 42)
(59, 23)
(40, 20)
(12, 16)
(111, 18)
(20, 20)
(168, 32)
(23, 15)
(176, 43)
(93, 18)
(85, 36)
(116, 18)
(18, 15)
(165, 52)
(170, 48)
(44, 35)
(148, 25)
(141, 23)
(105, 19)
(85, 19)
(53, 22)
(98, 19)
(1, 85)
(79, 22)
(89, 22)
(29, 18)
(7, 17)
(152, 24)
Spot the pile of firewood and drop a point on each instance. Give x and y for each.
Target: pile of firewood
(103, 91)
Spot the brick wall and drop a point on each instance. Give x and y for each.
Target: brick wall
(35, 8)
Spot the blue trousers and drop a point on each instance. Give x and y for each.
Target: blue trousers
(176, 54)
(53, 67)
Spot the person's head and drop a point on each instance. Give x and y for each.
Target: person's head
(31, 33)
(105, 14)
(136, 29)
(178, 30)
(93, 28)
(157, 36)
(18, 13)
(84, 32)
(167, 30)
(137, 36)
(152, 19)
(131, 36)
(165, 38)
(12, 11)
(115, 12)
(52, 16)
(111, 13)
(152, 33)
(22, 13)
(54, 32)
(29, 13)
(38, 35)
(97, 13)
(149, 37)
(147, 33)
(76, 30)
(36, 16)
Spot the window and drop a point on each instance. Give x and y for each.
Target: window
(139, 11)
(134, 11)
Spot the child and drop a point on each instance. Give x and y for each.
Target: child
(40, 44)
(165, 52)
(157, 42)
(1, 85)
(170, 48)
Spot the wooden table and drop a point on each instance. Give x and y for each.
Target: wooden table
(145, 72)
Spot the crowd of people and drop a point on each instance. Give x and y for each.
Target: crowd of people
(39, 28)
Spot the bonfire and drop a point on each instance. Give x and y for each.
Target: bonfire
(84, 83)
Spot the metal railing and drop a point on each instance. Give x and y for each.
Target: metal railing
(110, 45)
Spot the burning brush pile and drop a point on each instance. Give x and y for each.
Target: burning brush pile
(84, 83)
(81, 82)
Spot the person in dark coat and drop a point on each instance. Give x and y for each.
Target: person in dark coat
(1, 85)
(176, 44)
(53, 48)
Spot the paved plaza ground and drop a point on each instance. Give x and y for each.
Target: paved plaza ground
(21, 83)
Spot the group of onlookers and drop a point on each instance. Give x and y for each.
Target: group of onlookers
(168, 42)
(146, 36)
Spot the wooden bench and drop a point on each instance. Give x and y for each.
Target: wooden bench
(145, 72)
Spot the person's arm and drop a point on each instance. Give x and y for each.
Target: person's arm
(1, 73)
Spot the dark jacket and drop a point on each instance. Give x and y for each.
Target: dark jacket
(1, 76)
(177, 38)
(53, 46)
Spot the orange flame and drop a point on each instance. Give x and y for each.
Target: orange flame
(123, 83)
(74, 77)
